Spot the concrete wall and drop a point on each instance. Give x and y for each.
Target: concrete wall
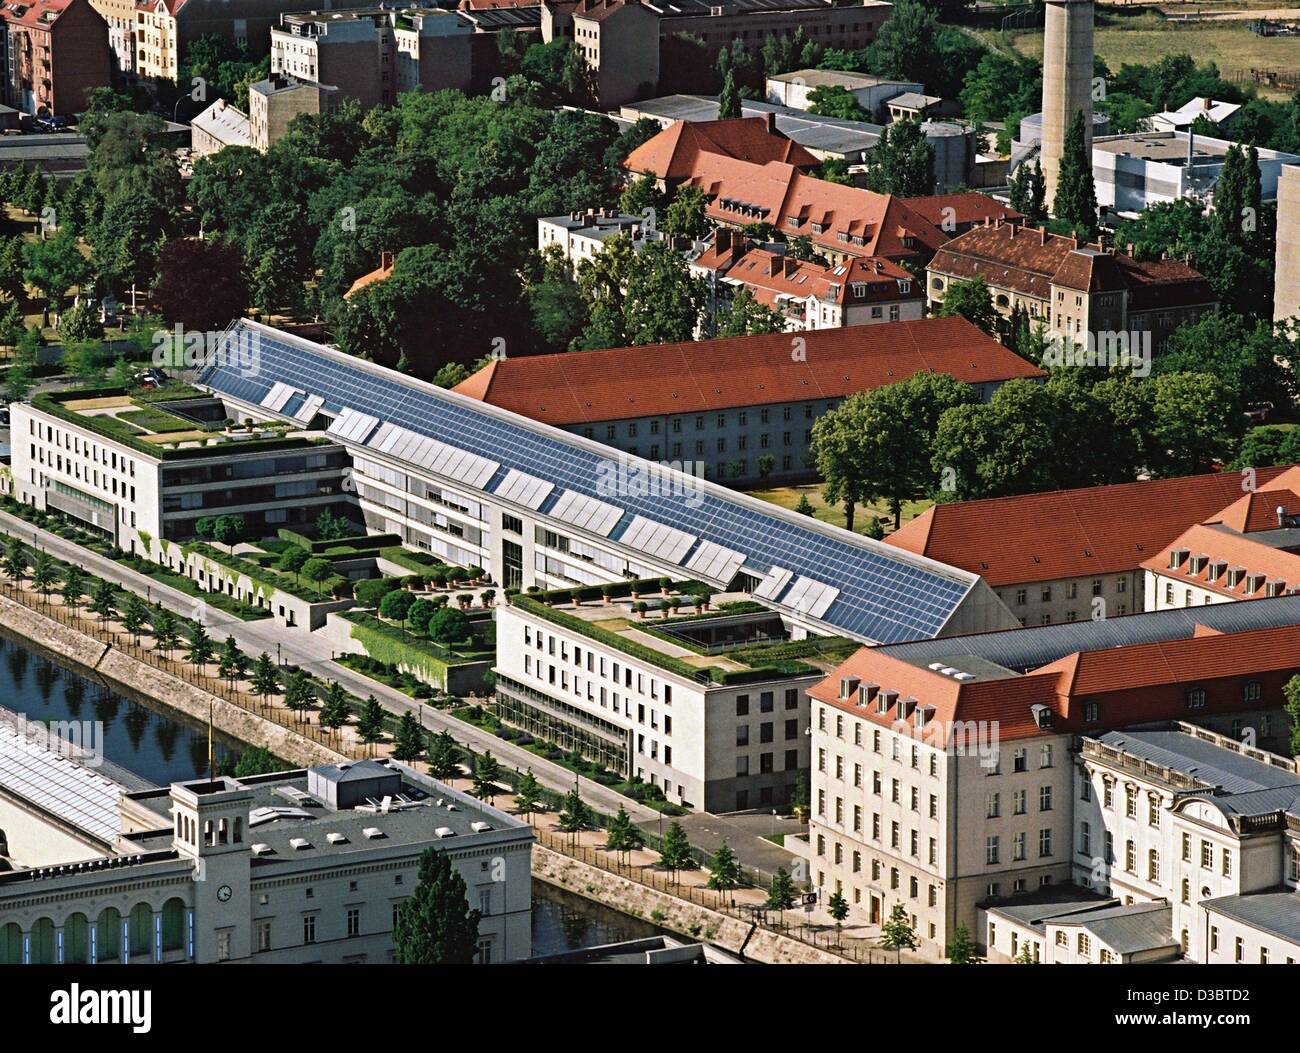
(1286, 274)
(1067, 80)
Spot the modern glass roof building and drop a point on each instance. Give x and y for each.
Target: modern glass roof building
(475, 484)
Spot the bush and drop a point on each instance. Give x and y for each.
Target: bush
(370, 593)
(448, 625)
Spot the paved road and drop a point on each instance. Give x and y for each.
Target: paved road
(295, 647)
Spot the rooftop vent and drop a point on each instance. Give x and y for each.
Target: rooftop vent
(261, 849)
(372, 833)
(444, 831)
(480, 827)
(299, 843)
(336, 839)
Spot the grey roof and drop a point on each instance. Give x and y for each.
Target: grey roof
(58, 784)
(1020, 650)
(1276, 911)
(1128, 929)
(301, 816)
(816, 78)
(1037, 910)
(914, 100)
(1226, 769)
(358, 770)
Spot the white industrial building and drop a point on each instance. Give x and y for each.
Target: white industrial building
(301, 867)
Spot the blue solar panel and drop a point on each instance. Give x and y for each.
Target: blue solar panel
(881, 598)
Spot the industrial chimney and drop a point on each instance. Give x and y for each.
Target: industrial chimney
(1067, 80)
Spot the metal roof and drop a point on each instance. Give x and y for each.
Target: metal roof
(1233, 772)
(883, 595)
(1276, 911)
(1023, 649)
(58, 784)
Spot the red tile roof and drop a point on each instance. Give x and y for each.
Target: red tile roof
(590, 386)
(1029, 261)
(672, 153)
(1068, 533)
(771, 275)
(961, 209)
(1135, 684)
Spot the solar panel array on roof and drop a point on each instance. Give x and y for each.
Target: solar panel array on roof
(884, 595)
(523, 489)
(658, 540)
(810, 597)
(770, 587)
(715, 561)
(351, 426)
(438, 457)
(57, 784)
(277, 396)
(308, 409)
(586, 512)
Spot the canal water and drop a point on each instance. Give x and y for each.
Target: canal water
(150, 745)
(154, 745)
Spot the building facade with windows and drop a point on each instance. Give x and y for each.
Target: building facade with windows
(476, 484)
(740, 409)
(143, 497)
(946, 773)
(55, 52)
(301, 867)
(1074, 289)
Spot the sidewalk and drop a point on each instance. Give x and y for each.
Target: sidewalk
(296, 647)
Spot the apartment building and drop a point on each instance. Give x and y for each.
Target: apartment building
(715, 730)
(1073, 288)
(537, 506)
(612, 33)
(1245, 549)
(372, 54)
(741, 408)
(299, 867)
(56, 51)
(73, 454)
(946, 774)
(217, 127)
(758, 184)
(1200, 822)
(274, 103)
(582, 235)
(1071, 555)
(809, 295)
(121, 19)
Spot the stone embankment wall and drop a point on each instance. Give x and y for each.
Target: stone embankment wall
(131, 676)
(678, 915)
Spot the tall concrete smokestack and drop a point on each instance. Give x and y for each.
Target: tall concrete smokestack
(1067, 80)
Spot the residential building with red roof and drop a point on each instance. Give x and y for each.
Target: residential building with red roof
(1052, 556)
(859, 291)
(1246, 549)
(671, 155)
(946, 773)
(1073, 287)
(732, 403)
(57, 51)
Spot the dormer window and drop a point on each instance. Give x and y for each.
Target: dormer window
(848, 685)
(859, 290)
(904, 287)
(884, 700)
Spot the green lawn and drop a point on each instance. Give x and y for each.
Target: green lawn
(788, 497)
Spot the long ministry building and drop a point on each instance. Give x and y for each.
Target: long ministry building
(535, 505)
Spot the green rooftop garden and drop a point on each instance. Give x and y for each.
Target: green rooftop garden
(547, 606)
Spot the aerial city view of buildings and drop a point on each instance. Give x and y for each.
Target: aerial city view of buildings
(816, 480)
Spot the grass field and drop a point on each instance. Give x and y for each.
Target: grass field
(1147, 38)
(788, 497)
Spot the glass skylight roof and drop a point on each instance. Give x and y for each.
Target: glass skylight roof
(882, 596)
(57, 784)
